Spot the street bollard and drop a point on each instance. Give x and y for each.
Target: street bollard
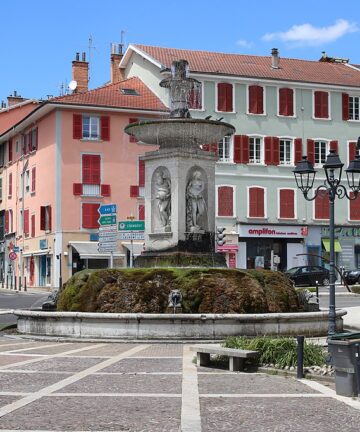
(25, 287)
(7, 281)
(317, 291)
(11, 282)
(300, 357)
(19, 283)
(15, 287)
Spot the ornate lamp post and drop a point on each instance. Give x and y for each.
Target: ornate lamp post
(305, 175)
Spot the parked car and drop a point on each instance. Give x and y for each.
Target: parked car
(352, 276)
(308, 275)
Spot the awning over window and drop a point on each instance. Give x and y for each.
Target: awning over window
(89, 250)
(137, 247)
(326, 244)
(37, 252)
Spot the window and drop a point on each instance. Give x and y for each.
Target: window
(354, 213)
(10, 185)
(27, 181)
(45, 218)
(91, 127)
(256, 150)
(225, 97)
(9, 221)
(141, 212)
(91, 174)
(286, 102)
(10, 150)
(32, 225)
(90, 215)
(256, 202)
(286, 204)
(354, 112)
(322, 205)
(225, 151)
(2, 152)
(195, 97)
(225, 201)
(26, 223)
(286, 151)
(321, 105)
(321, 150)
(255, 99)
(33, 179)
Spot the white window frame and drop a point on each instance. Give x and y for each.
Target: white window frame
(262, 150)
(352, 110)
(327, 148)
(248, 99)
(227, 141)
(329, 105)
(278, 102)
(248, 202)
(11, 221)
(92, 118)
(295, 203)
(292, 151)
(202, 83)
(217, 200)
(95, 189)
(216, 97)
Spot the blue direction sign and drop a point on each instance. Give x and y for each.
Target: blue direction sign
(106, 209)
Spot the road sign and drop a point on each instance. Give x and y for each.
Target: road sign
(112, 236)
(107, 248)
(135, 225)
(107, 228)
(107, 220)
(131, 236)
(106, 209)
(16, 249)
(12, 255)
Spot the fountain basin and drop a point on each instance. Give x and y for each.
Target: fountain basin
(173, 326)
(179, 132)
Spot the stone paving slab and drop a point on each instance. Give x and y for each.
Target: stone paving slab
(4, 400)
(108, 350)
(23, 382)
(101, 414)
(162, 350)
(277, 414)
(146, 365)
(61, 348)
(5, 347)
(59, 364)
(126, 384)
(12, 359)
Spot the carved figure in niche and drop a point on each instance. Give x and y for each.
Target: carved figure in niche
(195, 203)
(163, 197)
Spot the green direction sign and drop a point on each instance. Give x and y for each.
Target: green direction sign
(107, 220)
(129, 225)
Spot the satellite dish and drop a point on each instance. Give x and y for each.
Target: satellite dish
(72, 85)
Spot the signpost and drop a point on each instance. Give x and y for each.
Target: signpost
(132, 225)
(12, 255)
(107, 230)
(131, 230)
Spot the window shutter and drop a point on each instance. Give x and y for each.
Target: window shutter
(30, 142)
(298, 150)
(91, 169)
(260, 100)
(345, 106)
(49, 218)
(105, 128)
(256, 202)
(141, 212)
(256, 99)
(286, 102)
(105, 190)
(95, 170)
(241, 149)
(334, 146)
(272, 151)
(42, 218)
(311, 151)
(321, 104)
(225, 201)
(322, 205)
(287, 204)
(268, 151)
(133, 120)
(90, 215)
(77, 188)
(134, 191)
(10, 184)
(352, 151)
(77, 126)
(35, 139)
(26, 222)
(10, 150)
(225, 102)
(6, 221)
(33, 179)
(354, 207)
(141, 173)
(276, 150)
(194, 99)
(33, 225)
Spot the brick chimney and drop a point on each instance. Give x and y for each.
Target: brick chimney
(116, 74)
(15, 99)
(80, 73)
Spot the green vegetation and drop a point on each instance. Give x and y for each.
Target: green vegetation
(281, 351)
(355, 289)
(204, 290)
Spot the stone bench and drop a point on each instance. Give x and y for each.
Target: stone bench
(237, 357)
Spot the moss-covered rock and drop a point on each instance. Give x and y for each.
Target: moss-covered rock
(214, 290)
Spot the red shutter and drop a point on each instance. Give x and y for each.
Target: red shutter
(10, 184)
(287, 210)
(7, 221)
(141, 173)
(49, 218)
(260, 100)
(42, 218)
(345, 106)
(334, 146)
(134, 191)
(141, 212)
(30, 142)
(10, 150)
(26, 222)
(268, 151)
(77, 188)
(77, 126)
(105, 128)
(35, 139)
(286, 102)
(272, 151)
(311, 151)
(256, 202)
(105, 190)
(241, 149)
(194, 99)
(321, 104)
(225, 201)
(91, 169)
(256, 99)
(225, 96)
(276, 150)
(322, 205)
(33, 225)
(354, 207)
(33, 179)
(133, 120)
(90, 215)
(352, 151)
(298, 150)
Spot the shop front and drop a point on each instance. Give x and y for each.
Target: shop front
(347, 246)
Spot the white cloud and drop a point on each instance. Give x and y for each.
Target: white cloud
(308, 35)
(244, 43)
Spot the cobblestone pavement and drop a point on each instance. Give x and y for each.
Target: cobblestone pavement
(57, 386)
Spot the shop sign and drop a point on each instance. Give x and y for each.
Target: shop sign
(341, 232)
(43, 244)
(276, 231)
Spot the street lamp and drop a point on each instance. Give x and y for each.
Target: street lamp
(305, 175)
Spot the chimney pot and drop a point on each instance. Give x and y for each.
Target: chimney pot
(83, 57)
(116, 74)
(275, 58)
(77, 57)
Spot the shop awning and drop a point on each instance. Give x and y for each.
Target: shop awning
(89, 250)
(36, 252)
(227, 248)
(326, 244)
(137, 247)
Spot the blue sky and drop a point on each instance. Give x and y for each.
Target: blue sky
(39, 38)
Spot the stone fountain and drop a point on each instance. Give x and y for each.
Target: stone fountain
(179, 180)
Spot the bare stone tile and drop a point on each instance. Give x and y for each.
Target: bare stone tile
(161, 350)
(128, 414)
(128, 365)
(4, 400)
(62, 364)
(109, 350)
(17, 346)
(61, 348)
(12, 359)
(23, 382)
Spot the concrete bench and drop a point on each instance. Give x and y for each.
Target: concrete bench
(237, 357)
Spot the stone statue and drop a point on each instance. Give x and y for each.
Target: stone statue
(195, 203)
(163, 197)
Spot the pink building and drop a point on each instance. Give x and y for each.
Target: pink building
(60, 162)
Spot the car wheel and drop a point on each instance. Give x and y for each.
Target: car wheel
(325, 282)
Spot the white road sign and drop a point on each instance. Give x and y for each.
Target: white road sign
(131, 235)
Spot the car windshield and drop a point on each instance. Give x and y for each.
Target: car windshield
(292, 270)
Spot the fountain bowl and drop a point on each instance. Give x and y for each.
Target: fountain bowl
(180, 132)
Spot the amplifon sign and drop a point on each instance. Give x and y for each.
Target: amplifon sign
(277, 231)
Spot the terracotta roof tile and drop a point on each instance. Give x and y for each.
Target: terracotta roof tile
(257, 66)
(111, 96)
